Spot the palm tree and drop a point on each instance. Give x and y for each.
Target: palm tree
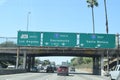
(92, 3)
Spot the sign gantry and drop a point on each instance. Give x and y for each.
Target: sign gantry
(60, 39)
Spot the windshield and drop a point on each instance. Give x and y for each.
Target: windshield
(79, 35)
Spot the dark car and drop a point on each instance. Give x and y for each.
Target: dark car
(34, 69)
(50, 69)
(62, 70)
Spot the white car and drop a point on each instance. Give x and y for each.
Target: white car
(11, 67)
(115, 74)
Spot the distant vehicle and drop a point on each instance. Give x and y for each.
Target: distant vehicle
(55, 68)
(50, 69)
(40, 68)
(34, 69)
(11, 67)
(72, 68)
(62, 70)
(115, 74)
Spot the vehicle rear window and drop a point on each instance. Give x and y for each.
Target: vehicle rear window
(63, 67)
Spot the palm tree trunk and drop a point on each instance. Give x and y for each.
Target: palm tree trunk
(93, 19)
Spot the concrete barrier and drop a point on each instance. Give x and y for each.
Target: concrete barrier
(11, 71)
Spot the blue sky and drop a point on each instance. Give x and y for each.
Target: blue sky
(56, 16)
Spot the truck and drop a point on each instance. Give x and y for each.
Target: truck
(115, 73)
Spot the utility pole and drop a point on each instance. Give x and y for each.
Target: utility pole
(28, 15)
(107, 29)
(106, 32)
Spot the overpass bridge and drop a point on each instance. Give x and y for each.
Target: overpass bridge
(29, 54)
(96, 46)
(57, 51)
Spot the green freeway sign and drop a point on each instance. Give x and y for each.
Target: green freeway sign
(97, 41)
(26, 38)
(54, 39)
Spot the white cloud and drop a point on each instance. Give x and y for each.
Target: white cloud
(2, 2)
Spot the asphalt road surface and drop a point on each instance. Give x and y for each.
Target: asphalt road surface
(51, 76)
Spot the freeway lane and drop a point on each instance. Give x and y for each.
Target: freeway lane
(51, 76)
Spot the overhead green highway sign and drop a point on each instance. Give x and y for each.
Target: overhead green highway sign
(59, 39)
(27, 38)
(97, 40)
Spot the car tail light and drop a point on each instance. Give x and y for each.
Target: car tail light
(59, 69)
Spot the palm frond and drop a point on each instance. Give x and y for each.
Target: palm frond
(96, 4)
(92, 3)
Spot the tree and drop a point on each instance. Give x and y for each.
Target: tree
(87, 60)
(37, 61)
(80, 60)
(76, 61)
(46, 62)
(73, 62)
(92, 3)
(8, 44)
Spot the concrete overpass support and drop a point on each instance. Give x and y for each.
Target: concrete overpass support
(102, 65)
(31, 62)
(17, 58)
(96, 65)
(24, 60)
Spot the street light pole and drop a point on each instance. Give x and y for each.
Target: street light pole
(106, 32)
(106, 17)
(28, 15)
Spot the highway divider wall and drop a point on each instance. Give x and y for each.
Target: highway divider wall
(12, 71)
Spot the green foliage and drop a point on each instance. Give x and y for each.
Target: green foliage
(80, 60)
(8, 44)
(87, 60)
(46, 62)
(92, 3)
(37, 61)
(76, 61)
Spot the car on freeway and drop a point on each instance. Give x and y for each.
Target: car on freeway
(55, 68)
(34, 69)
(11, 67)
(115, 73)
(63, 70)
(50, 69)
(72, 69)
(40, 68)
